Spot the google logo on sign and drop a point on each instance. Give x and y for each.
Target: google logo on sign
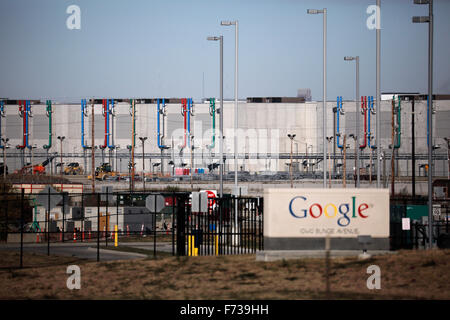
(331, 210)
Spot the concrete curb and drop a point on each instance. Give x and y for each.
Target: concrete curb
(274, 255)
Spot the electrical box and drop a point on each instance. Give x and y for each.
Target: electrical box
(77, 213)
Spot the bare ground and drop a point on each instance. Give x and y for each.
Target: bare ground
(406, 275)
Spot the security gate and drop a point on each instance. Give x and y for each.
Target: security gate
(223, 226)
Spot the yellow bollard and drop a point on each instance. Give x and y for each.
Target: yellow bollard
(116, 238)
(216, 244)
(189, 246)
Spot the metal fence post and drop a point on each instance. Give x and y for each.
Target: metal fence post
(181, 223)
(21, 230)
(154, 229)
(64, 213)
(173, 224)
(6, 221)
(106, 218)
(48, 223)
(117, 214)
(98, 227)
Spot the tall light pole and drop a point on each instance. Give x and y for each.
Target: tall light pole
(236, 24)
(357, 116)
(220, 38)
(429, 19)
(324, 118)
(291, 136)
(378, 92)
(61, 139)
(143, 160)
(192, 160)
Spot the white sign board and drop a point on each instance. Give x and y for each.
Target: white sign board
(315, 213)
(199, 202)
(155, 203)
(406, 224)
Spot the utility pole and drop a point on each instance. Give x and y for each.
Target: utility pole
(133, 106)
(291, 136)
(344, 164)
(93, 146)
(370, 165)
(356, 136)
(192, 160)
(236, 117)
(413, 148)
(430, 20)
(393, 149)
(378, 92)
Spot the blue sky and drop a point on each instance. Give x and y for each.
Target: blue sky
(141, 48)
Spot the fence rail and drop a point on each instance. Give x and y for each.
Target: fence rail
(228, 226)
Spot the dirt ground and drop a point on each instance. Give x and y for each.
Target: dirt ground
(405, 275)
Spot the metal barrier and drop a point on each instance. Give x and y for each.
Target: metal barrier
(417, 236)
(229, 225)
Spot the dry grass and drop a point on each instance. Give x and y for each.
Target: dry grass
(406, 275)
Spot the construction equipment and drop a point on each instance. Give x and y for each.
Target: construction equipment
(37, 168)
(104, 171)
(73, 168)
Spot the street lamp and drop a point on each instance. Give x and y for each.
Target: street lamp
(291, 136)
(429, 19)
(220, 38)
(153, 168)
(143, 159)
(324, 118)
(61, 139)
(357, 115)
(236, 25)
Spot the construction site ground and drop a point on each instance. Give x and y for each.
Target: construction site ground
(420, 274)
